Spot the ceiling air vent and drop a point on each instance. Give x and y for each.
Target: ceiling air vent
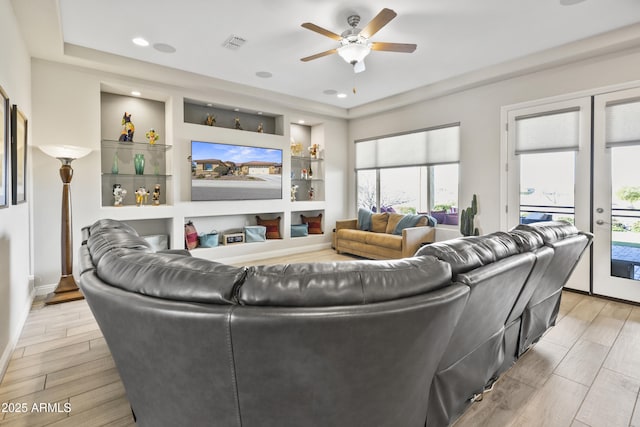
(234, 42)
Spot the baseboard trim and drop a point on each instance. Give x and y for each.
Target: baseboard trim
(45, 289)
(273, 254)
(11, 345)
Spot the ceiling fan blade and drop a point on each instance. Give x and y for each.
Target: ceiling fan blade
(320, 30)
(393, 47)
(380, 20)
(318, 55)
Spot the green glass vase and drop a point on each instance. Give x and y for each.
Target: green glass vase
(138, 164)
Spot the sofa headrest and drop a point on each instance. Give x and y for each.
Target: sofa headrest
(105, 225)
(467, 253)
(103, 242)
(550, 231)
(342, 283)
(170, 276)
(526, 240)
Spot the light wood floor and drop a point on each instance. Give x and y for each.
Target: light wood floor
(584, 372)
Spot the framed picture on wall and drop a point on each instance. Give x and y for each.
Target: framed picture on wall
(4, 147)
(18, 156)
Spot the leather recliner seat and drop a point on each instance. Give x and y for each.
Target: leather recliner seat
(202, 343)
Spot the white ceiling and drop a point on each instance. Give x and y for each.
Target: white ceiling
(454, 37)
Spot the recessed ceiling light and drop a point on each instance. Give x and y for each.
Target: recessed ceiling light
(135, 93)
(264, 74)
(236, 109)
(342, 95)
(140, 42)
(570, 2)
(259, 113)
(330, 92)
(301, 121)
(164, 48)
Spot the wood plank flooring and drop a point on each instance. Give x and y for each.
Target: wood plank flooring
(584, 372)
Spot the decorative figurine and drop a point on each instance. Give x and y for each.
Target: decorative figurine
(296, 147)
(303, 174)
(141, 196)
(260, 128)
(238, 123)
(156, 195)
(210, 120)
(127, 128)
(118, 194)
(314, 150)
(152, 136)
(309, 172)
(311, 190)
(294, 190)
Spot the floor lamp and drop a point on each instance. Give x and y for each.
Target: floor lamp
(67, 289)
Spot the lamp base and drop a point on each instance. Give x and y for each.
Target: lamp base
(67, 290)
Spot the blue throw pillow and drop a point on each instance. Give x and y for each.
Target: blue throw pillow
(299, 230)
(411, 220)
(364, 219)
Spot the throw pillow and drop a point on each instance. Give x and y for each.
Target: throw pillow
(273, 227)
(364, 219)
(190, 236)
(379, 222)
(314, 223)
(410, 220)
(392, 222)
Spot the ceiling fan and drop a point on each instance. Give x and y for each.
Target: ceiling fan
(354, 42)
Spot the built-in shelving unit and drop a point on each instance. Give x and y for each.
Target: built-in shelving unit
(118, 158)
(184, 120)
(118, 168)
(223, 116)
(308, 175)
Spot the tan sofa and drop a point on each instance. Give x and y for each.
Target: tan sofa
(380, 242)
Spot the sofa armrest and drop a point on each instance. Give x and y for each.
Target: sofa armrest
(351, 224)
(413, 237)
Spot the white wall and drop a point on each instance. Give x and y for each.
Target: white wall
(478, 111)
(15, 292)
(66, 110)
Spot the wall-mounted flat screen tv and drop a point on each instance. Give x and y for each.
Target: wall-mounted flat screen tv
(234, 172)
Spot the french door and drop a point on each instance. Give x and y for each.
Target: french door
(548, 169)
(616, 195)
(579, 160)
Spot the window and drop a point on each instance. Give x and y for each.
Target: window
(411, 173)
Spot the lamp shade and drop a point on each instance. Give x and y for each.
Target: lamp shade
(354, 52)
(70, 152)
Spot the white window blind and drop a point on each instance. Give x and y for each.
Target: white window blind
(623, 124)
(556, 131)
(429, 147)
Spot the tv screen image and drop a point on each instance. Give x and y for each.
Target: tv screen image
(234, 172)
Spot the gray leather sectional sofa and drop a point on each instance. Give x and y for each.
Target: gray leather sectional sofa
(359, 343)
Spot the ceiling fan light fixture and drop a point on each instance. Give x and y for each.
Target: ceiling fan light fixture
(353, 53)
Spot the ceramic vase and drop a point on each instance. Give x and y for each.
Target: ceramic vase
(138, 164)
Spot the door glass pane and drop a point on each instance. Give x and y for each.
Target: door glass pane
(547, 187)
(403, 190)
(367, 189)
(625, 212)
